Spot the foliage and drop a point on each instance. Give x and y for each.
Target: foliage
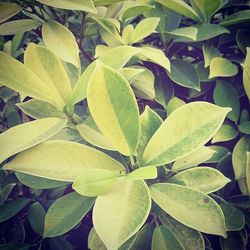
(125, 124)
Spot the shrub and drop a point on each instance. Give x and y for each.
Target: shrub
(125, 123)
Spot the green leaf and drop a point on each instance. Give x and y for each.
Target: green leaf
(39, 109)
(36, 217)
(110, 59)
(131, 73)
(164, 239)
(143, 85)
(248, 171)
(95, 182)
(179, 135)
(113, 107)
(17, 26)
(226, 96)
(245, 127)
(186, 32)
(61, 41)
(190, 207)
(91, 133)
(246, 74)
(234, 218)
(65, 213)
(154, 55)
(204, 179)
(181, 7)
(27, 135)
(184, 74)
(135, 200)
(135, 10)
(83, 5)
(20, 78)
(194, 159)
(209, 52)
(149, 122)
(236, 18)
(222, 67)
(108, 31)
(37, 182)
(143, 173)
(174, 104)
(64, 160)
(206, 7)
(11, 208)
(50, 70)
(233, 241)
(225, 133)
(8, 10)
(94, 241)
(5, 192)
(189, 238)
(144, 28)
(244, 116)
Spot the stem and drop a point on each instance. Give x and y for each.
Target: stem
(132, 162)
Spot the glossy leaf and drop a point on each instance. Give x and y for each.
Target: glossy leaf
(186, 32)
(246, 74)
(204, 179)
(37, 182)
(39, 109)
(95, 182)
(195, 209)
(135, 10)
(225, 133)
(17, 26)
(149, 122)
(110, 59)
(209, 53)
(50, 70)
(168, 144)
(174, 104)
(61, 41)
(181, 7)
(36, 217)
(156, 56)
(70, 158)
(184, 74)
(11, 208)
(245, 127)
(144, 28)
(165, 240)
(236, 18)
(118, 209)
(194, 159)
(6, 191)
(83, 5)
(114, 109)
(7, 10)
(248, 171)
(91, 133)
(222, 67)
(189, 238)
(226, 96)
(143, 173)
(27, 135)
(20, 78)
(65, 213)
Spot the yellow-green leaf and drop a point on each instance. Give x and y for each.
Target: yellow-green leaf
(83, 5)
(17, 26)
(61, 160)
(246, 74)
(144, 28)
(225, 133)
(190, 207)
(248, 171)
(95, 182)
(20, 78)
(7, 10)
(126, 198)
(50, 70)
(204, 179)
(113, 107)
(61, 41)
(184, 131)
(27, 135)
(143, 173)
(91, 133)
